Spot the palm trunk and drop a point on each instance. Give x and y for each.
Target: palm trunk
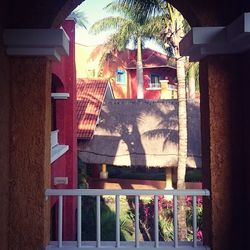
(191, 82)
(182, 150)
(139, 70)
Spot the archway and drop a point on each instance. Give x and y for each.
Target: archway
(224, 116)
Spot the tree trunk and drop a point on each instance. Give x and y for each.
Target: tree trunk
(139, 70)
(182, 148)
(191, 81)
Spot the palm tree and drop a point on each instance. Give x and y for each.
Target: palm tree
(193, 79)
(172, 34)
(130, 26)
(80, 18)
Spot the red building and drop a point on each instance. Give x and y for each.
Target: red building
(120, 68)
(159, 73)
(63, 132)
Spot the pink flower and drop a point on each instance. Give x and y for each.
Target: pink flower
(199, 234)
(199, 200)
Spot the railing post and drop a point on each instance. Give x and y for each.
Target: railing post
(156, 221)
(137, 229)
(79, 221)
(175, 222)
(60, 221)
(98, 221)
(117, 209)
(194, 222)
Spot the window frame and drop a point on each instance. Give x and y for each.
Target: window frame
(154, 85)
(121, 73)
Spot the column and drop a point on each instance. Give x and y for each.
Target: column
(29, 152)
(104, 173)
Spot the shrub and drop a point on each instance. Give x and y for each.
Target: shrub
(165, 209)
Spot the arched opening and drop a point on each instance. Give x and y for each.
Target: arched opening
(224, 120)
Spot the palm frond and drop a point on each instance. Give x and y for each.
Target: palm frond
(147, 7)
(107, 24)
(80, 17)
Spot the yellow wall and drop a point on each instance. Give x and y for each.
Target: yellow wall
(87, 61)
(166, 93)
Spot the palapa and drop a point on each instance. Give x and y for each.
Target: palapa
(142, 133)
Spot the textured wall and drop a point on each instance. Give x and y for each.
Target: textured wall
(222, 135)
(245, 160)
(4, 145)
(30, 152)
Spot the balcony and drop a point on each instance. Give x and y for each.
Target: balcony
(118, 243)
(154, 86)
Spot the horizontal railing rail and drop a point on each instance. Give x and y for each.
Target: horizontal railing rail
(98, 193)
(155, 85)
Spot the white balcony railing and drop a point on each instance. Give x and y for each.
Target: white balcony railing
(98, 244)
(154, 85)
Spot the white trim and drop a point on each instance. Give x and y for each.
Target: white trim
(57, 151)
(153, 88)
(52, 43)
(95, 192)
(203, 41)
(61, 181)
(54, 138)
(60, 96)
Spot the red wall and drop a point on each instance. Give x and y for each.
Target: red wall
(66, 165)
(149, 94)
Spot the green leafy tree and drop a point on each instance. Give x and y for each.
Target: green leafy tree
(129, 26)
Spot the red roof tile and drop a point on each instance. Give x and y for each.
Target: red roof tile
(151, 59)
(90, 96)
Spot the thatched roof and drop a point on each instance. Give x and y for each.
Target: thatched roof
(142, 133)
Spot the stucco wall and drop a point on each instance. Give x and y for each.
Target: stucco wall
(30, 88)
(4, 145)
(66, 165)
(224, 121)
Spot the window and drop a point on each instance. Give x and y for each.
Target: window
(120, 76)
(154, 81)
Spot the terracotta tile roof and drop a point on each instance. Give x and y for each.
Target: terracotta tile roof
(90, 96)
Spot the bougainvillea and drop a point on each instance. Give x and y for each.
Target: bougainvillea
(165, 215)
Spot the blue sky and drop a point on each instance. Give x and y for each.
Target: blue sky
(93, 10)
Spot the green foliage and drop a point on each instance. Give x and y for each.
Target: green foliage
(80, 17)
(108, 222)
(82, 174)
(127, 219)
(192, 175)
(165, 208)
(130, 25)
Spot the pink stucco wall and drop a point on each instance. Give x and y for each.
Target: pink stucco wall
(66, 165)
(149, 94)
